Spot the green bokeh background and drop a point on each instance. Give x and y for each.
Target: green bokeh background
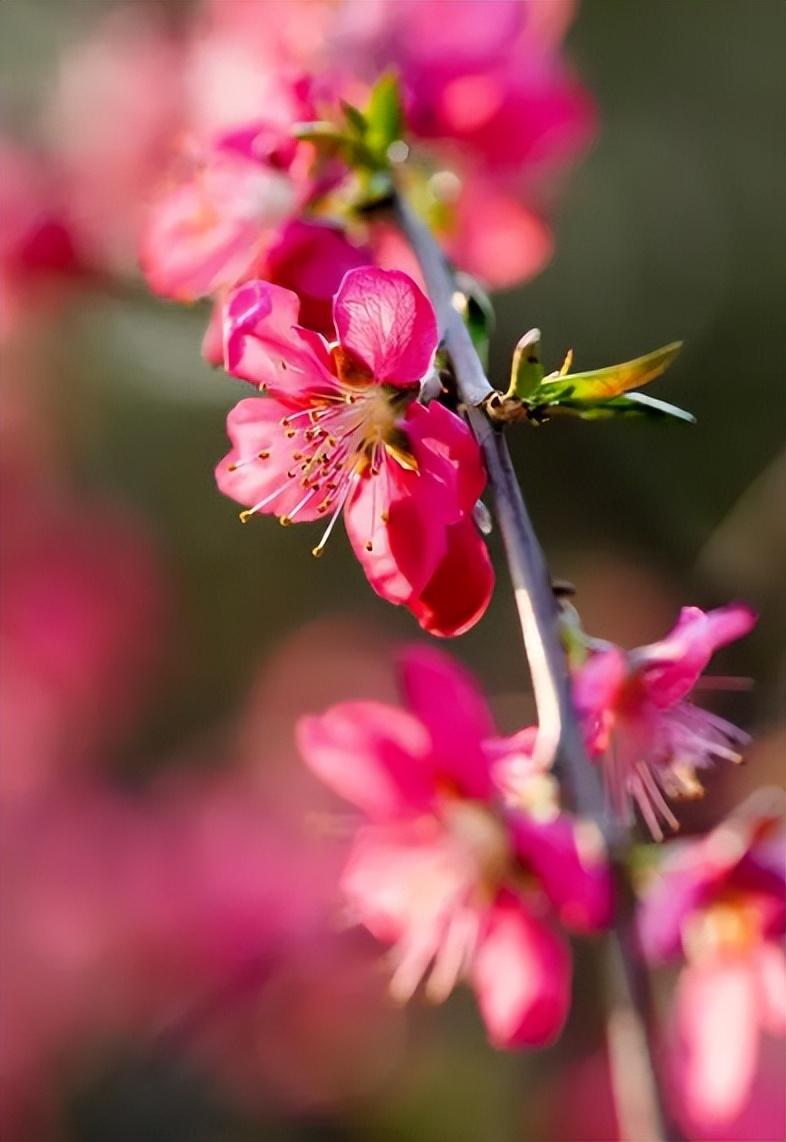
(672, 227)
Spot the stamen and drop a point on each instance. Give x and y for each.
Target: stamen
(246, 515)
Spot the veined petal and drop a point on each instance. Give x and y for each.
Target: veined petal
(448, 702)
(521, 974)
(374, 756)
(264, 344)
(385, 321)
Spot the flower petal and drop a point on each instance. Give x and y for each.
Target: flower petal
(384, 320)
(570, 866)
(674, 664)
(374, 756)
(256, 471)
(444, 444)
(403, 880)
(521, 975)
(264, 344)
(457, 595)
(717, 1025)
(395, 525)
(449, 703)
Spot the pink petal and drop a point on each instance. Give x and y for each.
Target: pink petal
(213, 340)
(670, 901)
(717, 1022)
(384, 320)
(674, 664)
(257, 467)
(372, 755)
(521, 975)
(395, 525)
(264, 344)
(403, 880)
(770, 967)
(311, 258)
(497, 238)
(459, 592)
(206, 232)
(449, 703)
(443, 443)
(571, 869)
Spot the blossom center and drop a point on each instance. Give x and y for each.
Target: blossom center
(482, 836)
(731, 926)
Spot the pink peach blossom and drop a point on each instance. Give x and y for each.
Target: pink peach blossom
(719, 905)
(639, 720)
(441, 870)
(341, 431)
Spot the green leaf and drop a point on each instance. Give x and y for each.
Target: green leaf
(475, 307)
(384, 115)
(602, 384)
(356, 120)
(526, 371)
(330, 140)
(633, 404)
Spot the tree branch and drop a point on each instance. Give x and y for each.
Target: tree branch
(640, 1105)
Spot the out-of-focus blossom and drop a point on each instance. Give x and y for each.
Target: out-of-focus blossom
(719, 905)
(492, 110)
(309, 258)
(37, 251)
(342, 431)
(116, 109)
(83, 613)
(640, 722)
(183, 916)
(441, 871)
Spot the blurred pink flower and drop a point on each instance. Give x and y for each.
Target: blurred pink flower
(38, 256)
(718, 903)
(84, 611)
(442, 871)
(309, 258)
(188, 915)
(638, 719)
(341, 431)
(131, 66)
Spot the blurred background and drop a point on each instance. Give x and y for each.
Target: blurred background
(172, 964)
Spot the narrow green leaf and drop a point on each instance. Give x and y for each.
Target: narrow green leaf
(384, 115)
(332, 141)
(630, 405)
(613, 381)
(356, 120)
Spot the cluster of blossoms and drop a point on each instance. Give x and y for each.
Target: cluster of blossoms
(461, 882)
(465, 862)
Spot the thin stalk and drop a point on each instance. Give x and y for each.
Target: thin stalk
(641, 1110)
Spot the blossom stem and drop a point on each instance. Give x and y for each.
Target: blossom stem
(641, 1108)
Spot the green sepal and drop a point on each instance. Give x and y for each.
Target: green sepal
(526, 371)
(474, 305)
(333, 142)
(384, 116)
